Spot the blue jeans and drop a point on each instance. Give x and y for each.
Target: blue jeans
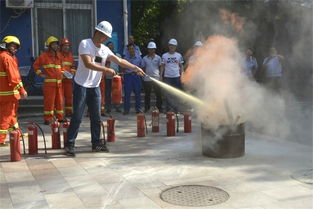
(81, 97)
(132, 83)
(170, 100)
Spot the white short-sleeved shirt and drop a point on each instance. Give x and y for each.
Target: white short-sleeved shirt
(171, 64)
(152, 66)
(84, 76)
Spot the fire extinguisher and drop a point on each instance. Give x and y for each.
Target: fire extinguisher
(141, 125)
(155, 120)
(117, 89)
(110, 130)
(32, 140)
(55, 135)
(66, 124)
(170, 119)
(187, 122)
(15, 146)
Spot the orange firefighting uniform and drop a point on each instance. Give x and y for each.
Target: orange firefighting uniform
(11, 87)
(67, 65)
(52, 89)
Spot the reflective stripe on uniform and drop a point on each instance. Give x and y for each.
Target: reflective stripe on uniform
(52, 65)
(48, 112)
(3, 131)
(53, 80)
(59, 111)
(7, 93)
(19, 85)
(67, 63)
(68, 108)
(3, 74)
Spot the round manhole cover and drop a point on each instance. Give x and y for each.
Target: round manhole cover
(194, 195)
(304, 176)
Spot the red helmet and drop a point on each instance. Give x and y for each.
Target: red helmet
(65, 41)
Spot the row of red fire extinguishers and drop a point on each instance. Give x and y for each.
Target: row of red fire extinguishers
(171, 117)
(17, 135)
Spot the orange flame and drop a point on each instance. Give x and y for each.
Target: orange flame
(232, 18)
(213, 51)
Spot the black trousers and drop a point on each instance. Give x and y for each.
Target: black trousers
(148, 86)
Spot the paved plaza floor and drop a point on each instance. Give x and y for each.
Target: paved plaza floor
(137, 170)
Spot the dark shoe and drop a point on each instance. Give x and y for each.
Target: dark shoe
(99, 148)
(61, 121)
(103, 114)
(125, 113)
(47, 122)
(70, 151)
(118, 110)
(146, 110)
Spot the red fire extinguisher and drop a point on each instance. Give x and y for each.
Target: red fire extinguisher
(15, 146)
(66, 124)
(110, 130)
(141, 125)
(32, 140)
(155, 120)
(170, 118)
(187, 122)
(117, 89)
(55, 135)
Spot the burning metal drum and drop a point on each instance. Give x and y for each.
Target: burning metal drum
(225, 142)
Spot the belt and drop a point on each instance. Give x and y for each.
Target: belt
(133, 73)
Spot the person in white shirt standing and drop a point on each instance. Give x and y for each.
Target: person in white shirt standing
(92, 58)
(152, 67)
(171, 69)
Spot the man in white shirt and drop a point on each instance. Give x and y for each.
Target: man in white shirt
(92, 58)
(152, 66)
(171, 69)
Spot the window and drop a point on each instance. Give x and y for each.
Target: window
(73, 19)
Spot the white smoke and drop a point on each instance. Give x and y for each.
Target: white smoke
(231, 97)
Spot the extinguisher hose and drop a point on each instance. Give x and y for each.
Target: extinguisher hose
(177, 130)
(43, 135)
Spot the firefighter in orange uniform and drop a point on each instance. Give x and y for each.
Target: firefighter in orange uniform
(50, 62)
(69, 71)
(11, 86)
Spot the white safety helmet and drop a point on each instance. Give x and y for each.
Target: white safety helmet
(151, 45)
(198, 43)
(172, 42)
(105, 27)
